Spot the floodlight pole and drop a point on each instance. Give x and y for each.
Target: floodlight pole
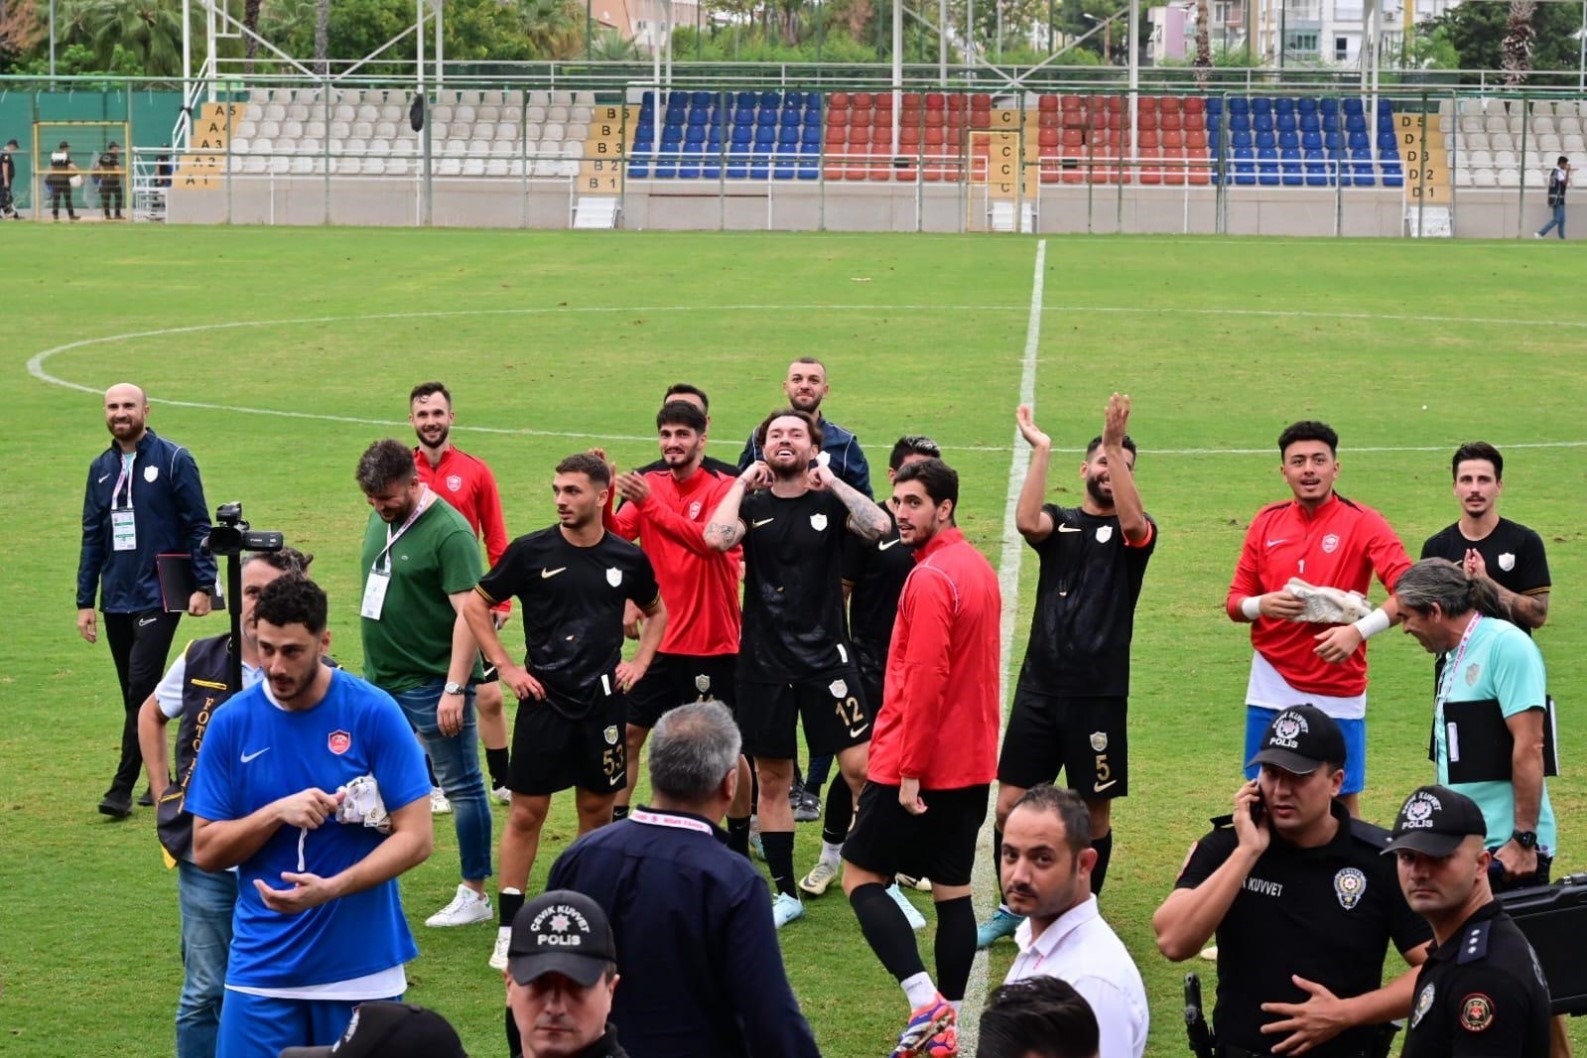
(440, 41)
(898, 66)
(418, 36)
(942, 41)
(187, 46)
(1134, 44)
(1581, 62)
(52, 42)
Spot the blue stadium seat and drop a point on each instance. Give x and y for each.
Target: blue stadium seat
(1330, 123)
(1245, 167)
(1329, 105)
(671, 137)
(811, 134)
(1317, 171)
(1287, 123)
(702, 99)
(1240, 139)
(1214, 105)
(1262, 122)
(744, 117)
(1214, 122)
(1284, 105)
(1363, 174)
(759, 166)
(745, 99)
(809, 168)
(666, 166)
(1289, 141)
(770, 99)
(1266, 141)
(1387, 141)
(743, 135)
(1310, 123)
(694, 134)
(639, 169)
(689, 161)
(1307, 104)
(1311, 141)
(765, 135)
(1393, 175)
(737, 163)
(766, 116)
(1290, 169)
(788, 134)
(1240, 122)
(1358, 141)
(1261, 105)
(1267, 167)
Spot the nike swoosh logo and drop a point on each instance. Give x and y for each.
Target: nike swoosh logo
(246, 757)
(103, 478)
(1275, 543)
(1099, 787)
(856, 732)
(763, 521)
(547, 574)
(1070, 529)
(144, 622)
(885, 544)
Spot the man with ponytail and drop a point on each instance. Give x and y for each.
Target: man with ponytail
(1493, 735)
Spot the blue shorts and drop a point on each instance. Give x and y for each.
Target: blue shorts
(261, 1027)
(1257, 720)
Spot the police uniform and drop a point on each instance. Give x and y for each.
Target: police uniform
(1326, 914)
(1482, 992)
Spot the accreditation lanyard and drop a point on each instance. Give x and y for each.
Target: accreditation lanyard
(380, 575)
(123, 528)
(667, 819)
(1446, 686)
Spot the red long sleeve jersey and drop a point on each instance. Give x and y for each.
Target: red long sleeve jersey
(940, 711)
(699, 584)
(466, 483)
(1340, 545)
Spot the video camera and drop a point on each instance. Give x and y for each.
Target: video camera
(232, 536)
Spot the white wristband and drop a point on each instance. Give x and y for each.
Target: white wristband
(1251, 607)
(1373, 623)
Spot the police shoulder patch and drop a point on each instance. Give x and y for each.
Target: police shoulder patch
(1424, 1003)
(1476, 1012)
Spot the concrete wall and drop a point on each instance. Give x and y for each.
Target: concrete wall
(818, 206)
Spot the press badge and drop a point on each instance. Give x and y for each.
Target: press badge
(375, 594)
(123, 531)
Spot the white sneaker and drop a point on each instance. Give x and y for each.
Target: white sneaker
(821, 876)
(439, 805)
(498, 955)
(916, 919)
(466, 908)
(785, 908)
(501, 795)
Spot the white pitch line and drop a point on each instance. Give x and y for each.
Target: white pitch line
(984, 880)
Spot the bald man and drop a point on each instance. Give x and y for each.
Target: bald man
(143, 499)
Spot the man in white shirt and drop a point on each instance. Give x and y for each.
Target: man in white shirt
(1046, 864)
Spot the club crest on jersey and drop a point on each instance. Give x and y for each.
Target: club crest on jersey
(1104, 533)
(838, 688)
(610, 734)
(1349, 885)
(1330, 543)
(1099, 741)
(150, 474)
(702, 683)
(339, 742)
(614, 576)
(694, 510)
(818, 522)
(1507, 562)
(454, 482)
(1424, 1003)
(1472, 672)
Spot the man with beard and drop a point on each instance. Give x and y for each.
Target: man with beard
(1071, 702)
(143, 499)
(1327, 542)
(574, 580)
(1506, 554)
(692, 394)
(1302, 903)
(465, 482)
(666, 512)
(420, 563)
(193, 690)
(875, 572)
(806, 387)
(933, 758)
(1046, 873)
(794, 657)
(312, 786)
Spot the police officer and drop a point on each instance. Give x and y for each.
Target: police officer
(58, 181)
(1302, 905)
(1481, 990)
(109, 174)
(8, 180)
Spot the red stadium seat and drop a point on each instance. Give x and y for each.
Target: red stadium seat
(1196, 141)
(1072, 138)
(837, 100)
(1170, 121)
(1047, 103)
(935, 101)
(1195, 105)
(1172, 140)
(1148, 139)
(863, 101)
(1048, 138)
(981, 101)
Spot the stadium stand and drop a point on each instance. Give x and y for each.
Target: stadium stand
(1494, 143)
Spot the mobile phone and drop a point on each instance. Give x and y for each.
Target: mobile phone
(1258, 809)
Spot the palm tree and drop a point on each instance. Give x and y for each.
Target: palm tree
(322, 36)
(149, 31)
(1515, 52)
(554, 28)
(1203, 43)
(251, 10)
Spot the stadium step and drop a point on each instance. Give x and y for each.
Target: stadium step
(1427, 176)
(595, 212)
(205, 161)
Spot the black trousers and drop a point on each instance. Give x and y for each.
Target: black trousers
(139, 643)
(58, 197)
(110, 199)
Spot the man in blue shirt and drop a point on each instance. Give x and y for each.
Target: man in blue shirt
(143, 499)
(314, 787)
(806, 386)
(1492, 736)
(703, 976)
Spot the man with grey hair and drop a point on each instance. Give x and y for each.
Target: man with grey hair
(703, 976)
(1492, 733)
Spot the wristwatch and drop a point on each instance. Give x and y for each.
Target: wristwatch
(454, 688)
(1527, 839)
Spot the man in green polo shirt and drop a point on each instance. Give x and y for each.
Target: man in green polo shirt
(420, 562)
(1492, 732)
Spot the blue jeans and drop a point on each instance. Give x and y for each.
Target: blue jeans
(456, 761)
(207, 900)
(1556, 221)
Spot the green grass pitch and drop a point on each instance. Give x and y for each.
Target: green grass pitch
(277, 355)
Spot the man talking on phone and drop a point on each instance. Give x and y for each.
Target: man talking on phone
(1297, 894)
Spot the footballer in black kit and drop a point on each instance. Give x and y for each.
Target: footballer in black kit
(573, 599)
(1513, 553)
